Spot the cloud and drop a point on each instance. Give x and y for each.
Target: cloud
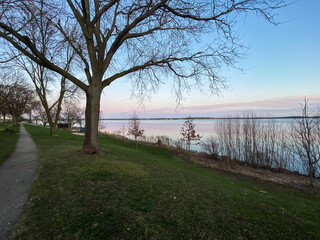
(274, 106)
(279, 106)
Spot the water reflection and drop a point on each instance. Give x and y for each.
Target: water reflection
(171, 128)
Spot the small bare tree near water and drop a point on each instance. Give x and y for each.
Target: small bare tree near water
(211, 146)
(135, 129)
(123, 131)
(189, 135)
(305, 138)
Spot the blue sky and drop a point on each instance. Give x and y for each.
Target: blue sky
(282, 66)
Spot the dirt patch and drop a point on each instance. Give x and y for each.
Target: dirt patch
(284, 177)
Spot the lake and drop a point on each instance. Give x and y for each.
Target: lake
(172, 128)
(169, 128)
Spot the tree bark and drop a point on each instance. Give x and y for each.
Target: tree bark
(53, 129)
(14, 119)
(91, 141)
(135, 139)
(52, 125)
(311, 173)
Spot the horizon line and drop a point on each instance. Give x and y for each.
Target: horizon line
(204, 118)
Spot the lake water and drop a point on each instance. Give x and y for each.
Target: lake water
(171, 128)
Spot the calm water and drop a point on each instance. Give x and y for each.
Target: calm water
(170, 128)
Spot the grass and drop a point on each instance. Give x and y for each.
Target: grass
(152, 194)
(7, 140)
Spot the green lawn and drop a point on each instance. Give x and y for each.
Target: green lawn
(7, 140)
(152, 194)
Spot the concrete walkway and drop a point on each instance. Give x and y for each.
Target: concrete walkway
(16, 176)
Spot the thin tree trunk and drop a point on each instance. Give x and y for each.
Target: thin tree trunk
(135, 140)
(311, 173)
(53, 123)
(91, 141)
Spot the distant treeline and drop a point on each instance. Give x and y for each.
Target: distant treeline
(206, 118)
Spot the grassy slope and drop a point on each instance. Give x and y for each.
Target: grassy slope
(7, 140)
(152, 194)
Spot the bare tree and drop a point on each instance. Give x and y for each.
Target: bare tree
(17, 98)
(134, 128)
(253, 140)
(40, 114)
(3, 97)
(41, 79)
(31, 108)
(47, 83)
(305, 137)
(189, 135)
(72, 113)
(145, 39)
(123, 131)
(212, 146)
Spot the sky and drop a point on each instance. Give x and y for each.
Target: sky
(281, 68)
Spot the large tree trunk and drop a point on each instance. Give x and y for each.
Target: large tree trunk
(53, 129)
(91, 141)
(14, 119)
(52, 125)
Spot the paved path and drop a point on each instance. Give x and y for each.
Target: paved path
(16, 176)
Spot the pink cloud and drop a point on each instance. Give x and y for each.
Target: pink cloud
(276, 106)
(280, 106)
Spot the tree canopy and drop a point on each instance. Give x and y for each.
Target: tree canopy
(16, 99)
(144, 39)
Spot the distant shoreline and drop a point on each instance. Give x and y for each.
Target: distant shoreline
(203, 118)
